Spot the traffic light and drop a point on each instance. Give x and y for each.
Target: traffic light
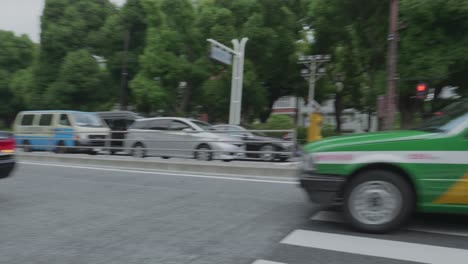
(421, 91)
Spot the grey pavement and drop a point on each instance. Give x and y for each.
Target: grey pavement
(71, 215)
(59, 213)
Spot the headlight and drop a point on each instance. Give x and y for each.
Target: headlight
(308, 162)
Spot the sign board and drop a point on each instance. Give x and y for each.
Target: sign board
(221, 55)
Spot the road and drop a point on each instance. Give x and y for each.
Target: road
(59, 213)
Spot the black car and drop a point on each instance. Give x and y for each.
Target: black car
(261, 143)
(7, 158)
(118, 122)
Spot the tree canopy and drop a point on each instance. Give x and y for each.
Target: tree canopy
(90, 50)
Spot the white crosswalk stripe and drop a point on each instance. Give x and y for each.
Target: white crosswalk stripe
(377, 247)
(304, 239)
(336, 217)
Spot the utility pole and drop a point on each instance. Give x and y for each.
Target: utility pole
(124, 78)
(235, 56)
(392, 64)
(312, 74)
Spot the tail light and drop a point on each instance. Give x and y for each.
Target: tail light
(7, 146)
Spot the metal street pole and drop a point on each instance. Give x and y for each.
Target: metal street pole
(238, 52)
(240, 48)
(392, 64)
(312, 69)
(234, 81)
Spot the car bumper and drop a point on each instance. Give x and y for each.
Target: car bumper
(6, 167)
(226, 151)
(322, 189)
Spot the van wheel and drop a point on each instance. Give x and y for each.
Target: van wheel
(60, 148)
(203, 153)
(26, 146)
(378, 201)
(138, 151)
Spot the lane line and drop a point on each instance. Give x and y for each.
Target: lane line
(262, 261)
(334, 217)
(377, 247)
(159, 173)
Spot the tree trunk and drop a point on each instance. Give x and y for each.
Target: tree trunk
(338, 110)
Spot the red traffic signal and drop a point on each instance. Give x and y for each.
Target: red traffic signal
(422, 87)
(421, 91)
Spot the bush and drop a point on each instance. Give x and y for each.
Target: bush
(275, 122)
(329, 131)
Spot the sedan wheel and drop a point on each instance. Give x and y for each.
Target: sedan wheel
(268, 154)
(203, 153)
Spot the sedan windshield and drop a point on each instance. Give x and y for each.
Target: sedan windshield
(87, 120)
(203, 125)
(447, 119)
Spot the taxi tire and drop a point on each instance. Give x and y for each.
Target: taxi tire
(406, 209)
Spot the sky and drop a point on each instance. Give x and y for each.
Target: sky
(23, 16)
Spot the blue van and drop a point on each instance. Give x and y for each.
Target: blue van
(60, 131)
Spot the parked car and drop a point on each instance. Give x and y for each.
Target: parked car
(7, 150)
(118, 122)
(261, 143)
(382, 178)
(170, 136)
(60, 131)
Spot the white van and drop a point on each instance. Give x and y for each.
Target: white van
(60, 131)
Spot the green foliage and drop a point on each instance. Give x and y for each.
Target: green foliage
(67, 25)
(167, 47)
(80, 86)
(277, 122)
(329, 131)
(16, 54)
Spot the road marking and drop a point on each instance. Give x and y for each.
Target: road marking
(261, 261)
(159, 173)
(327, 216)
(377, 247)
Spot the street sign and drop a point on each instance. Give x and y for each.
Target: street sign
(221, 55)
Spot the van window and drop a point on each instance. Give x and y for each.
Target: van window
(87, 120)
(64, 121)
(46, 120)
(27, 120)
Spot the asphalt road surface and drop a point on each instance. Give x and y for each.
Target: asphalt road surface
(86, 215)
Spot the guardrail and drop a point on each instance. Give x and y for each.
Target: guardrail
(203, 145)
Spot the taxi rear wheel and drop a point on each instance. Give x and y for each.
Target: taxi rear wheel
(378, 201)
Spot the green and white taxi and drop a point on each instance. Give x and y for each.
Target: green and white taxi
(381, 178)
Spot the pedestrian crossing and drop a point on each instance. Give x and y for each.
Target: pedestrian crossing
(327, 239)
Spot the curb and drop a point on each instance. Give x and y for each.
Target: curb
(192, 167)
